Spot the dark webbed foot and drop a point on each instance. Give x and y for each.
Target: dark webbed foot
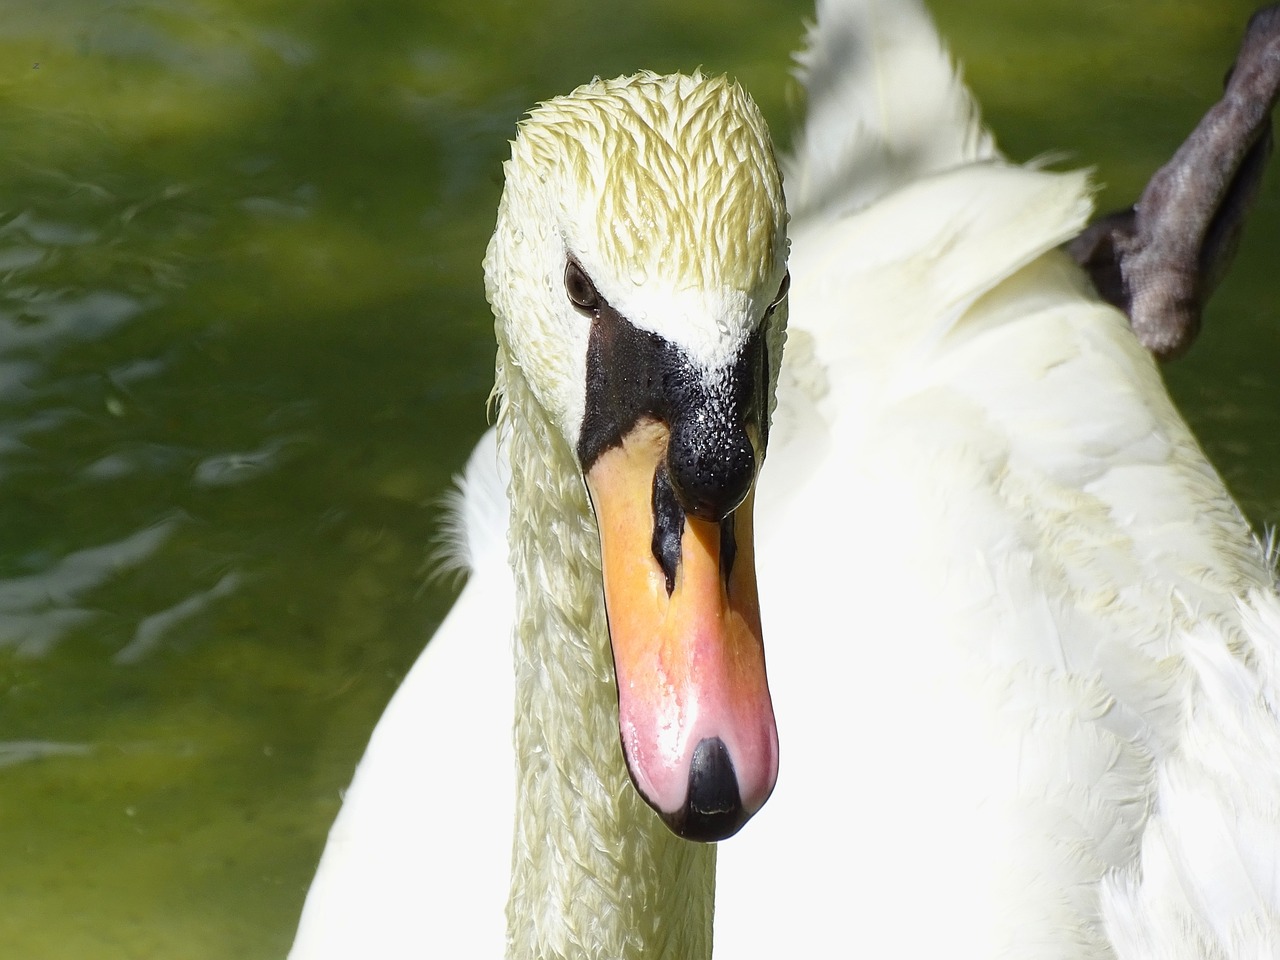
(1160, 259)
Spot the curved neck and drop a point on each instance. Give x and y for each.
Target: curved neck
(594, 872)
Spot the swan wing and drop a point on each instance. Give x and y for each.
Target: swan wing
(1207, 880)
(884, 106)
(1002, 590)
(989, 552)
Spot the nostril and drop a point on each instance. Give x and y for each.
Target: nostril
(711, 471)
(668, 527)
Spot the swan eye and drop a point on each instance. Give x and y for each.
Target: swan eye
(581, 291)
(782, 292)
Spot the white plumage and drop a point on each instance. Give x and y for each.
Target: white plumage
(1022, 645)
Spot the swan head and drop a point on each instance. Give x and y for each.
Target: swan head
(638, 278)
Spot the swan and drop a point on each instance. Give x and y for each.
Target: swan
(1021, 644)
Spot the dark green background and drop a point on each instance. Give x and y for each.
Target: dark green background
(244, 345)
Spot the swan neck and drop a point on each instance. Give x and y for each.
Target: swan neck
(613, 881)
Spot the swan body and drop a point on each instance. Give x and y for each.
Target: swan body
(1022, 645)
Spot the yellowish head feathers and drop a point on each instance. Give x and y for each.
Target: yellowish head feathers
(681, 170)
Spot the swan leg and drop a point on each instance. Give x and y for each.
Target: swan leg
(1160, 259)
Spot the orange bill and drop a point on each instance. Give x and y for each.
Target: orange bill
(694, 711)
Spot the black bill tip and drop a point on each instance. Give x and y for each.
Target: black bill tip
(713, 810)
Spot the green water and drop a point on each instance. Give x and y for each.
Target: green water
(243, 346)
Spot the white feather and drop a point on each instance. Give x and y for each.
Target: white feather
(884, 107)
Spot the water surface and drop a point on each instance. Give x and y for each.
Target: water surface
(244, 346)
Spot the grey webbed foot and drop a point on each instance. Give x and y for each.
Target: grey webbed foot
(1160, 259)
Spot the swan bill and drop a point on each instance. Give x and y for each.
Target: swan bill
(694, 711)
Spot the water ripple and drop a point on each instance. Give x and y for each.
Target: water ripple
(38, 610)
(153, 629)
(227, 469)
(13, 752)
